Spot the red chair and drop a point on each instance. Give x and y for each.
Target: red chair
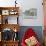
(29, 33)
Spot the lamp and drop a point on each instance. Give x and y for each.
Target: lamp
(15, 3)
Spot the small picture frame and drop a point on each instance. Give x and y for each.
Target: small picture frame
(5, 12)
(12, 12)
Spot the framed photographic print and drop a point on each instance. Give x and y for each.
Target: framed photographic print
(5, 12)
(30, 14)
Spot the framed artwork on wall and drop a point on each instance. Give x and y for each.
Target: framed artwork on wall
(31, 13)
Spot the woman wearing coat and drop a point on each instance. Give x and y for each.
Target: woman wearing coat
(30, 38)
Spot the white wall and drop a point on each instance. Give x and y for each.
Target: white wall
(39, 19)
(6, 3)
(25, 5)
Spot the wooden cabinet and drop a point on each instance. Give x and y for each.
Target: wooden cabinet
(9, 23)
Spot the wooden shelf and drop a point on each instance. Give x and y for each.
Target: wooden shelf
(9, 8)
(10, 26)
(4, 24)
(9, 43)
